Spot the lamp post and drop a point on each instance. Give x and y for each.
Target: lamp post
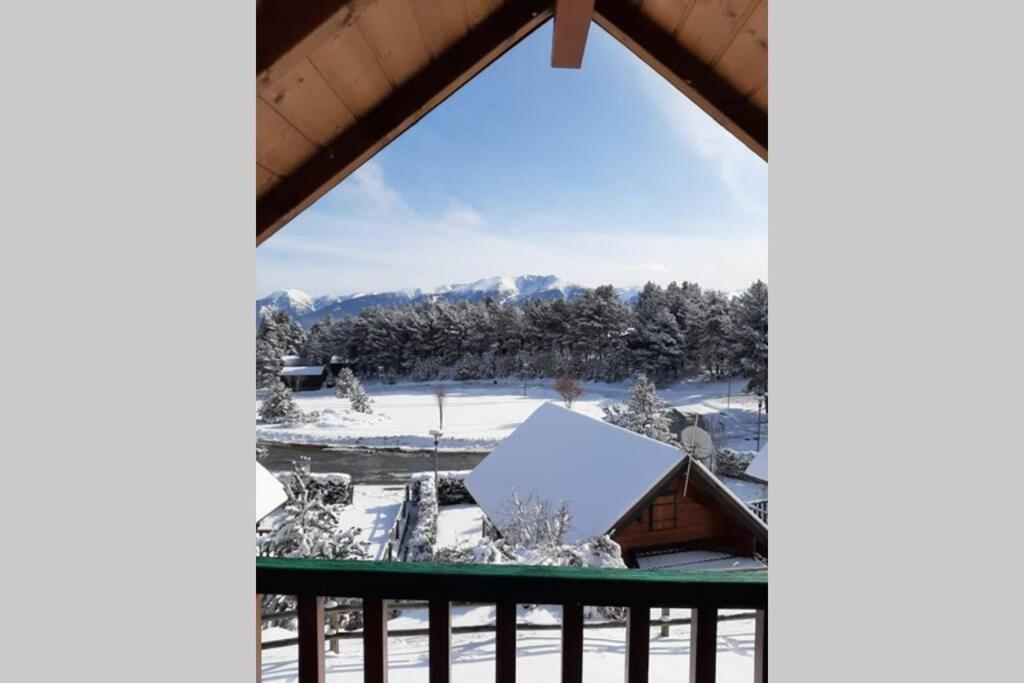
(760, 402)
(437, 434)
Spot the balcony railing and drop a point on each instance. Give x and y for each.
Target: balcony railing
(507, 586)
(760, 508)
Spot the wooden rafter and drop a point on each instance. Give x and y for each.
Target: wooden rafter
(572, 22)
(732, 109)
(288, 31)
(506, 26)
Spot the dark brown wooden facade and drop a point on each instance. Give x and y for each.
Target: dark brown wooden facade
(305, 382)
(704, 518)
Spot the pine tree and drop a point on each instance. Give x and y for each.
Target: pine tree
(644, 413)
(360, 400)
(268, 364)
(345, 383)
(279, 406)
(750, 317)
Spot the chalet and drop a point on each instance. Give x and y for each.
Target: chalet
(661, 509)
(304, 377)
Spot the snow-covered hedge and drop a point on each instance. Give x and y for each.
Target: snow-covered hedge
(422, 511)
(732, 463)
(451, 488)
(336, 487)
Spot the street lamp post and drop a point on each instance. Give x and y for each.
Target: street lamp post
(437, 434)
(760, 402)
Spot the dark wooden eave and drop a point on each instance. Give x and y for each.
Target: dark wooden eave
(505, 27)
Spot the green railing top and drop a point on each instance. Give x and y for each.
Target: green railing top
(512, 582)
(490, 571)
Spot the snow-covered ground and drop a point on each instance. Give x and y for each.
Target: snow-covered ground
(746, 490)
(480, 414)
(538, 652)
(373, 510)
(457, 523)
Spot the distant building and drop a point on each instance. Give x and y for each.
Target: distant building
(625, 485)
(291, 361)
(304, 377)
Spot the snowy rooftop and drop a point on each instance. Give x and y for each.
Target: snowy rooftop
(758, 467)
(696, 559)
(269, 492)
(291, 361)
(302, 370)
(599, 470)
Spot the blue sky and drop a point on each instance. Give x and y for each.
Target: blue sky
(605, 174)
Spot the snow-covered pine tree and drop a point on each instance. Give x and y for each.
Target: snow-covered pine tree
(644, 413)
(279, 406)
(344, 384)
(268, 364)
(359, 398)
(750, 319)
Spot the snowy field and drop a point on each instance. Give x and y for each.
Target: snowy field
(480, 414)
(539, 652)
(459, 523)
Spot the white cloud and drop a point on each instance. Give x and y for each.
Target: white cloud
(368, 184)
(740, 170)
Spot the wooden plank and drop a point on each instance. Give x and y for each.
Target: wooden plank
(712, 24)
(760, 97)
(264, 180)
(259, 638)
(391, 30)
(572, 643)
(375, 640)
(523, 584)
(761, 646)
(280, 148)
(569, 38)
(441, 22)
(311, 638)
(287, 32)
(668, 14)
(745, 63)
(703, 644)
(307, 102)
(638, 644)
(478, 10)
(505, 642)
(440, 641)
(687, 72)
(406, 105)
(349, 66)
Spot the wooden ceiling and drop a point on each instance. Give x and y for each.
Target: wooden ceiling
(337, 80)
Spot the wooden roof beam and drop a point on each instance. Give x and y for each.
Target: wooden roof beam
(452, 69)
(288, 31)
(572, 21)
(708, 90)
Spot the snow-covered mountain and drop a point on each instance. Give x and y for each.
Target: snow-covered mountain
(515, 290)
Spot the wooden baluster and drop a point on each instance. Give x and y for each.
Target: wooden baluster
(311, 639)
(259, 638)
(505, 643)
(761, 646)
(703, 644)
(666, 615)
(440, 641)
(375, 640)
(638, 644)
(334, 622)
(572, 643)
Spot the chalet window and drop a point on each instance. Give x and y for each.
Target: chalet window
(663, 512)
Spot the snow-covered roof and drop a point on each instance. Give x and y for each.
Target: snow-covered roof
(291, 361)
(338, 359)
(270, 492)
(302, 370)
(599, 470)
(758, 467)
(696, 559)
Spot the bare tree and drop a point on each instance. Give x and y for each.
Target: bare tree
(569, 389)
(534, 523)
(441, 397)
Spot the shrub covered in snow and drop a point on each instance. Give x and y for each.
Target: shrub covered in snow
(330, 488)
(732, 463)
(451, 488)
(309, 527)
(279, 406)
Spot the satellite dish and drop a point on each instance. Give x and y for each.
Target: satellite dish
(697, 445)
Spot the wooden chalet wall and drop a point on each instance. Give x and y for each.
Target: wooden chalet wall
(699, 520)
